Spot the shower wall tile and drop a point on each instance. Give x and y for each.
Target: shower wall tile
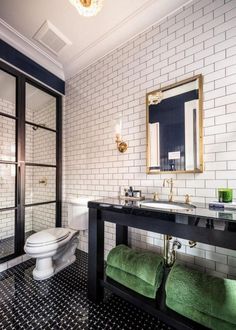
(39, 149)
(199, 38)
(43, 151)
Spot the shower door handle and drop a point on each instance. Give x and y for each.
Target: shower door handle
(18, 183)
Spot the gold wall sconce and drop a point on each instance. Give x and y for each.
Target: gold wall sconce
(122, 146)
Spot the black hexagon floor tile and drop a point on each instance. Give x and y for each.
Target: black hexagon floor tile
(61, 302)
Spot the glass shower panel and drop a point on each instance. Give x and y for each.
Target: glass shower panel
(40, 184)
(7, 185)
(7, 233)
(7, 169)
(39, 217)
(7, 93)
(40, 107)
(40, 157)
(40, 145)
(7, 139)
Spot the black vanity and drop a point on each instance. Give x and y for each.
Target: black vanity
(200, 224)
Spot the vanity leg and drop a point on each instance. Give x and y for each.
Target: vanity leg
(95, 256)
(121, 234)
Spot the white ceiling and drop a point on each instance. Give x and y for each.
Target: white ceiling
(92, 38)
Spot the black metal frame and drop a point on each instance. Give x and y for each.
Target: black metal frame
(21, 80)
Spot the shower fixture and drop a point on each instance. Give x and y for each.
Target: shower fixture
(43, 181)
(36, 127)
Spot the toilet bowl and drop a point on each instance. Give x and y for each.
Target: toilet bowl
(54, 248)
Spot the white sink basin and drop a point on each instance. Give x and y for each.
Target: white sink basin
(166, 205)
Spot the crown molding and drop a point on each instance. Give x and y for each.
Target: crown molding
(28, 48)
(99, 48)
(149, 14)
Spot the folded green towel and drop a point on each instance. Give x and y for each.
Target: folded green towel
(132, 282)
(208, 321)
(145, 265)
(215, 297)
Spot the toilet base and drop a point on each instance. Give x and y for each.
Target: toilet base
(65, 264)
(44, 269)
(49, 266)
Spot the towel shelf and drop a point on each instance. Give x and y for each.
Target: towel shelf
(156, 307)
(196, 227)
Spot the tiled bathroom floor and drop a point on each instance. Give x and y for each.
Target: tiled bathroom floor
(61, 302)
(7, 244)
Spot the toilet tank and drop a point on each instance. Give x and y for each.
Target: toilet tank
(78, 214)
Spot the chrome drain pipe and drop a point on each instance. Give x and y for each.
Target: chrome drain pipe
(170, 251)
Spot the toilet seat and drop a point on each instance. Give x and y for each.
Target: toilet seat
(48, 237)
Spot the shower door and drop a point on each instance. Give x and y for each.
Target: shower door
(40, 159)
(30, 160)
(8, 164)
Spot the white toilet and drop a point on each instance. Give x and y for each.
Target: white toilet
(54, 248)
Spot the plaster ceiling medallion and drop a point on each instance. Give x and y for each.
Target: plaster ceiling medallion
(87, 8)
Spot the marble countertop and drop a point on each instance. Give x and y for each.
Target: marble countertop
(195, 210)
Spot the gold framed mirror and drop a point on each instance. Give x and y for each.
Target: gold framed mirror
(175, 128)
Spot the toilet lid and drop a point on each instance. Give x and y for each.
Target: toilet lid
(51, 235)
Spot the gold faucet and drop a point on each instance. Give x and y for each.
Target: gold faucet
(170, 183)
(156, 196)
(187, 199)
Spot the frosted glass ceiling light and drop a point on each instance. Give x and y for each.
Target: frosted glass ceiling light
(87, 7)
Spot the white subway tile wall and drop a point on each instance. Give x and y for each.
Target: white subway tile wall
(199, 38)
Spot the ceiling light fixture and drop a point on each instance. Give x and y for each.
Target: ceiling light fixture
(87, 8)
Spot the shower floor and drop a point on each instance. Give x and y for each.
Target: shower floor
(7, 245)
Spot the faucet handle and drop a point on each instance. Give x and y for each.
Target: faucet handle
(155, 196)
(187, 198)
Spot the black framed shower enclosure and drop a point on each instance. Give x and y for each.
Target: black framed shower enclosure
(20, 123)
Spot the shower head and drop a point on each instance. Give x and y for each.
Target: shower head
(35, 128)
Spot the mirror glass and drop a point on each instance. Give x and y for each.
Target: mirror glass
(174, 128)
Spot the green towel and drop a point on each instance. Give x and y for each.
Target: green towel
(202, 318)
(145, 265)
(206, 294)
(132, 282)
